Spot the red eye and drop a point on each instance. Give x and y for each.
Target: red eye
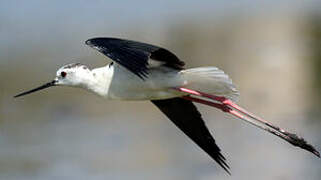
(63, 74)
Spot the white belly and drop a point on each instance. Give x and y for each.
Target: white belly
(158, 85)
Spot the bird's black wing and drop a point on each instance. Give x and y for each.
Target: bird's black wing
(186, 117)
(134, 55)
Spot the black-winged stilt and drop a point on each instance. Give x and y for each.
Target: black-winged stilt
(146, 72)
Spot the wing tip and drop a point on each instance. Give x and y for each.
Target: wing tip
(89, 42)
(95, 40)
(220, 159)
(92, 41)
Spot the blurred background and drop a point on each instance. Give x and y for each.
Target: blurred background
(270, 48)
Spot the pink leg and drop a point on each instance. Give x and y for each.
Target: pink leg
(230, 103)
(226, 105)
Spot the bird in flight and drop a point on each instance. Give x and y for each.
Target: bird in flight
(141, 71)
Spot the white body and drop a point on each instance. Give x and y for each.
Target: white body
(116, 82)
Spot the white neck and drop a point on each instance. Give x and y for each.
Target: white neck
(100, 81)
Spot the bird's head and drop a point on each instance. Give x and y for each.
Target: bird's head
(75, 75)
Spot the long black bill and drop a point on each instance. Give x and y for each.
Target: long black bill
(52, 83)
